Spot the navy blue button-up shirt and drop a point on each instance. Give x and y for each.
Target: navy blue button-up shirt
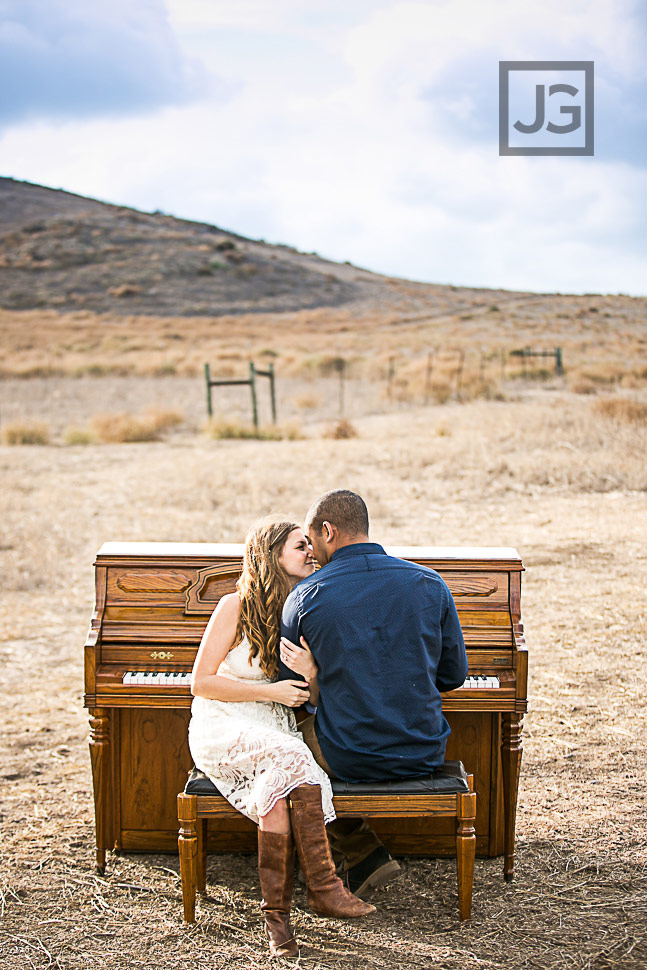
(386, 638)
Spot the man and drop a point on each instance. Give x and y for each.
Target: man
(385, 636)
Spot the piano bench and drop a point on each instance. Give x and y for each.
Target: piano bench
(447, 793)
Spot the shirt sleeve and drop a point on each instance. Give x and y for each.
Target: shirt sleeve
(290, 628)
(452, 669)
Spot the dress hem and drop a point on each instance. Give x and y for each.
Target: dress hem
(328, 816)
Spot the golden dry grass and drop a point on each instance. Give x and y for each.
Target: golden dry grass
(622, 409)
(111, 428)
(342, 430)
(77, 436)
(26, 433)
(602, 338)
(222, 429)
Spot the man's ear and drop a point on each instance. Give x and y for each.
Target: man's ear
(329, 531)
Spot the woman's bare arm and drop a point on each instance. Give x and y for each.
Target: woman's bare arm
(217, 641)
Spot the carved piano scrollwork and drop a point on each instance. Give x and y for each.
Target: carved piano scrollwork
(472, 585)
(161, 655)
(212, 583)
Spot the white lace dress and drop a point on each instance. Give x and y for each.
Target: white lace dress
(251, 750)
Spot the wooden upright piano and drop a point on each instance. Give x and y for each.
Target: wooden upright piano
(153, 601)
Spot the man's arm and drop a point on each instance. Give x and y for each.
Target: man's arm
(452, 668)
(290, 628)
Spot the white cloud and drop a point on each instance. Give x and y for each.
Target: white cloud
(69, 58)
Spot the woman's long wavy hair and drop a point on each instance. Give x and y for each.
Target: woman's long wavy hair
(263, 588)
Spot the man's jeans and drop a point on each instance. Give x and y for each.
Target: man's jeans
(351, 839)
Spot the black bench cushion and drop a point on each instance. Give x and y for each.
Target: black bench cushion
(451, 777)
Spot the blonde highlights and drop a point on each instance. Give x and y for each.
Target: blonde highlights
(263, 588)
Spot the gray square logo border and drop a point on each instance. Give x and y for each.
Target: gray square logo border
(504, 70)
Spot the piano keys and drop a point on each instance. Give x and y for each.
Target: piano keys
(153, 601)
(156, 678)
(481, 682)
(176, 678)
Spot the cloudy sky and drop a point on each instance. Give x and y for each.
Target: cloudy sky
(365, 130)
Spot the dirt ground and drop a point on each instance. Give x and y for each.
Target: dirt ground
(544, 473)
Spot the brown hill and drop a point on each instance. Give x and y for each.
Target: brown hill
(64, 251)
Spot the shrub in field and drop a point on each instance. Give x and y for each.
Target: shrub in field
(78, 436)
(622, 409)
(103, 370)
(343, 429)
(112, 428)
(27, 433)
(37, 370)
(236, 430)
(326, 365)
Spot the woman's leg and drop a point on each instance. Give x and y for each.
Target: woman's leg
(327, 894)
(276, 873)
(277, 819)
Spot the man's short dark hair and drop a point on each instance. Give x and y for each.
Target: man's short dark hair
(347, 510)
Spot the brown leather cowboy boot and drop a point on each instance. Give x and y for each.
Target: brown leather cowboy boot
(276, 873)
(327, 894)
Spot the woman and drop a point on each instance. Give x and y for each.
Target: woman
(243, 733)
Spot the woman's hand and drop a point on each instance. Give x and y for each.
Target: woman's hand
(299, 659)
(289, 692)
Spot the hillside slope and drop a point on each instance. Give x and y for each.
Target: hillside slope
(63, 251)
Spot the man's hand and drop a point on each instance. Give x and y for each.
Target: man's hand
(299, 659)
(292, 693)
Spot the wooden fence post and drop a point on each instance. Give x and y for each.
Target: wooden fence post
(341, 368)
(272, 393)
(207, 375)
(250, 381)
(252, 385)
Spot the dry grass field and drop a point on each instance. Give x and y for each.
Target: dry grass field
(560, 476)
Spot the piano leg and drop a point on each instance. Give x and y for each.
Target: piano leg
(100, 759)
(511, 748)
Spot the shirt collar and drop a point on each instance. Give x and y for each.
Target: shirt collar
(358, 549)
